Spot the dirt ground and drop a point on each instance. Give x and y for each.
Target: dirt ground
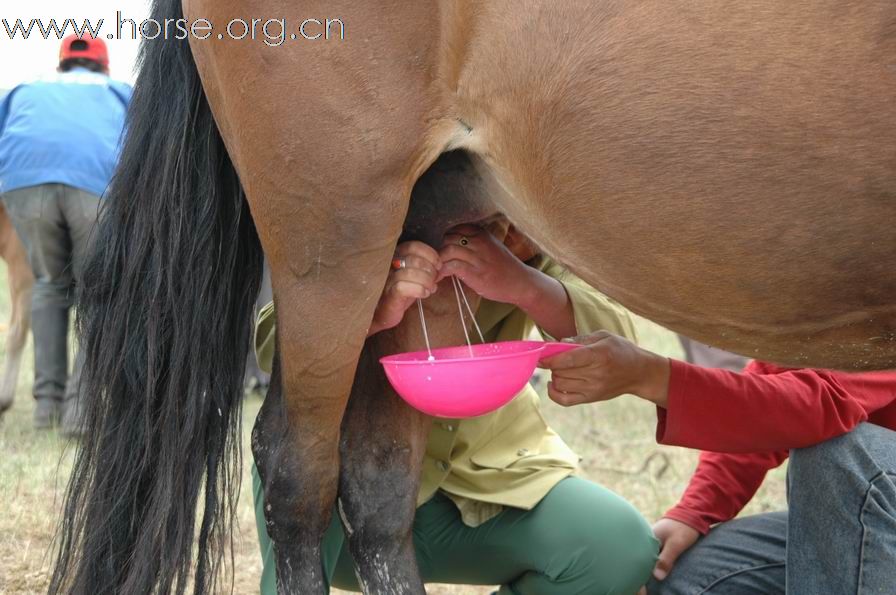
(615, 440)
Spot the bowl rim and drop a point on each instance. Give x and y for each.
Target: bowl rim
(536, 347)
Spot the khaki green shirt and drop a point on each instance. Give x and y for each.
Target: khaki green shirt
(509, 457)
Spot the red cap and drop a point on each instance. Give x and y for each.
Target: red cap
(84, 47)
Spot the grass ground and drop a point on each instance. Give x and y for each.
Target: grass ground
(615, 440)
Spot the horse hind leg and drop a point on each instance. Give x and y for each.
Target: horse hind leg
(381, 450)
(382, 447)
(21, 281)
(383, 439)
(20, 323)
(298, 446)
(296, 517)
(329, 214)
(383, 442)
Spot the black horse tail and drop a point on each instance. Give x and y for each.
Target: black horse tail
(164, 319)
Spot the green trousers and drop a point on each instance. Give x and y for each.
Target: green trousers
(580, 539)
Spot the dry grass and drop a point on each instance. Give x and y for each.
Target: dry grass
(615, 439)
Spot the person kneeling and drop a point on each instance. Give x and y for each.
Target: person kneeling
(838, 534)
(499, 502)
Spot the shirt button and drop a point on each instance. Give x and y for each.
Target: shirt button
(522, 452)
(443, 466)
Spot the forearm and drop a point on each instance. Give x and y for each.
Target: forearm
(721, 486)
(548, 305)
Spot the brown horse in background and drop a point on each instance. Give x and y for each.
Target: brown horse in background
(20, 281)
(727, 169)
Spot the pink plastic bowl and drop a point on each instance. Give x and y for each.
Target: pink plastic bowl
(455, 385)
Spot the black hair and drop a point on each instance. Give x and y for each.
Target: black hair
(165, 310)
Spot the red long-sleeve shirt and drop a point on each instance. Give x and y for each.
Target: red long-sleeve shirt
(747, 424)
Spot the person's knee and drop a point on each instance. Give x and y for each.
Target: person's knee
(636, 557)
(828, 460)
(616, 557)
(583, 538)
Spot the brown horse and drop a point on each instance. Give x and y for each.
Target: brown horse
(20, 280)
(727, 169)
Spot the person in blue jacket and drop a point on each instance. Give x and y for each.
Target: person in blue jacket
(60, 137)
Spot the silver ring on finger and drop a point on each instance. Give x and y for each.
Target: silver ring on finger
(399, 263)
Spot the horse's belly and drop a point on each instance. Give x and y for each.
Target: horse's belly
(707, 167)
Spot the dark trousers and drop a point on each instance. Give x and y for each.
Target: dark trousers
(55, 223)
